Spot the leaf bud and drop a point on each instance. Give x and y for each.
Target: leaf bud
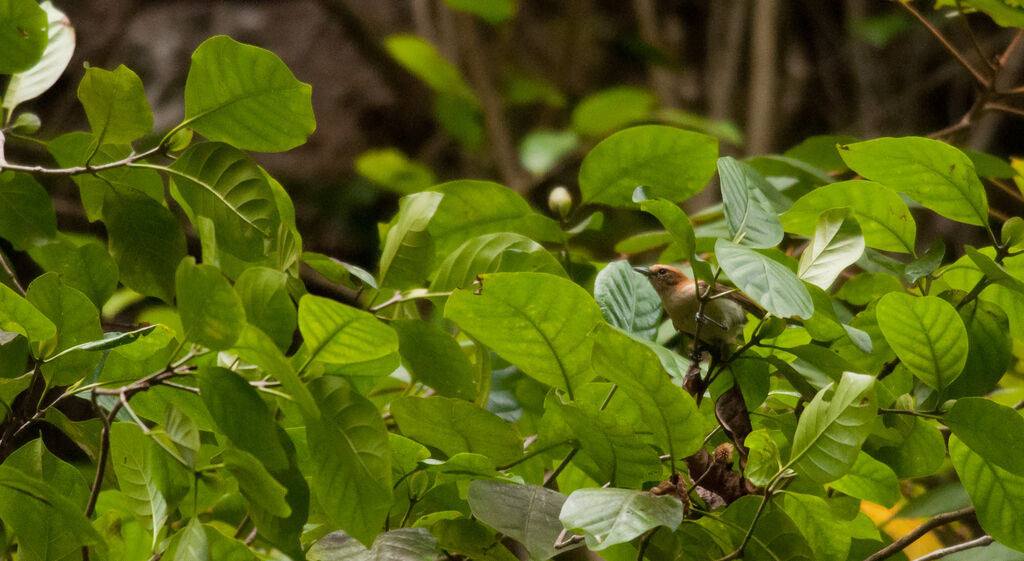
(26, 123)
(1013, 231)
(560, 201)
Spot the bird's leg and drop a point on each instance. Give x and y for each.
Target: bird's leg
(705, 319)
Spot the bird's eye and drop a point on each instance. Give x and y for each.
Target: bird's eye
(662, 272)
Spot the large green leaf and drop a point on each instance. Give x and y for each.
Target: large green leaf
(115, 104)
(827, 534)
(138, 467)
(990, 349)
(673, 219)
(474, 208)
(989, 430)
(246, 96)
(627, 300)
(668, 411)
(837, 244)
(775, 537)
(920, 453)
(932, 173)
(22, 34)
(352, 463)
(77, 321)
(927, 335)
(27, 218)
(255, 347)
(611, 516)
(751, 218)
(997, 494)
(407, 255)
(193, 545)
(340, 334)
(523, 317)
(146, 242)
(211, 312)
(29, 84)
(766, 281)
(608, 110)
(87, 267)
(870, 480)
(18, 315)
(670, 163)
(525, 513)
(883, 216)
(242, 416)
(222, 184)
(1004, 13)
(453, 426)
(830, 433)
(434, 358)
(493, 253)
(264, 294)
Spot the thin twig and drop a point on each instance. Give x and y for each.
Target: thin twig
(78, 170)
(1005, 109)
(949, 46)
(10, 273)
(993, 69)
(913, 535)
(940, 553)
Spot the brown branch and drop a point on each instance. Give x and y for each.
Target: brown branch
(913, 535)
(949, 46)
(11, 274)
(940, 553)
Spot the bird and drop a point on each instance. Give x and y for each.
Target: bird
(722, 318)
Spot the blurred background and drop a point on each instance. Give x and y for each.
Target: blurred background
(408, 93)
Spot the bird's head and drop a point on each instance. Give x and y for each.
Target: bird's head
(664, 278)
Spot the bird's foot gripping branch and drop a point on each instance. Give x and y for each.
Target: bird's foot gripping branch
(492, 387)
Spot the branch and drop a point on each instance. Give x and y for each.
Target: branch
(913, 535)
(79, 170)
(949, 46)
(940, 553)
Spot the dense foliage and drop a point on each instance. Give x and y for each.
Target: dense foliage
(492, 389)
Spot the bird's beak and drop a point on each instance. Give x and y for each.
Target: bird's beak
(643, 271)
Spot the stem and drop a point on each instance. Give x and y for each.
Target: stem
(533, 454)
(565, 462)
(911, 413)
(949, 46)
(940, 553)
(768, 493)
(913, 535)
(10, 273)
(78, 170)
(993, 69)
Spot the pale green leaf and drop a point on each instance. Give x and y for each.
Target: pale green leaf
(420, 58)
(752, 220)
(60, 44)
(193, 545)
(525, 513)
(997, 494)
(927, 335)
(390, 168)
(435, 359)
(493, 253)
(837, 244)
(766, 281)
(454, 426)
(611, 516)
(407, 255)
(608, 110)
(870, 480)
(627, 300)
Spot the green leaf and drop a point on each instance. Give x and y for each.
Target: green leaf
(87, 267)
(525, 513)
(994, 271)
(932, 173)
(194, 545)
(609, 110)
(762, 458)
(390, 168)
(138, 475)
(27, 218)
(668, 411)
(435, 359)
(60, 44)
(989, 430)
(672, 164)
(474, 208)
(22, 34)
(751, 218)
(866, 287)
(1012, 233)
(927, 335)
(541, 150)
(837, 244)
(472, 539)
(883, 216)
(338, 334)
(400, 544)
(1003, 13)
(338, 546)
(990, 349)
(242, 416)
(221, 183)
(453, 426)
(247, 97)
(766, 281)
(522, 317)
(820, 151)
(627, 300)
(674, 220)
(77, 321)
(826, 534)
(491, 11)
(264, 295)
(338, 271)
(211, 312)
(255, 482)
(408, 253)
(256, 347)
(352, 463)
(493, 253)
(775, 536)
(421, 59)
(921, 453)
(115, 104)
(997, 494)
(146, 242)
(830, 433)
(611, 516)
(870, 480)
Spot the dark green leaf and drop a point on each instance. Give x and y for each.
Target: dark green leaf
(866, 287)
(627, 300)
(990, 349)
(767, 282)
(434, 358)
(1005, 14)
(255, 482)
(211, 311)
(242, 416)
(338, 271)
(774, 537)
(22, 34)
(997, 494)
(18, 315)
(870, 480)
(826, 534)
(454, 426)
(87, 267)
(472, 539)
(609, 110)
(921, 453)
(115, 104)
(27, 218)
(338, 334)
(752, 220)
(264, 295)
(525, 513)
(77, 321)
(927, 335)
(989, 429)
(820, 151)
(29, 84)
(246, 96)
(493, 253)
(927, 263)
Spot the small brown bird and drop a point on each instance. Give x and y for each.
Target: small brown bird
(722, 318)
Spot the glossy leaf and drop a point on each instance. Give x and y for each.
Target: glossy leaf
(927, 335)
(340, 334)
(247, 97)
(932, 173)
(22, 34)
(407, 254)
(211, 312)
(87, 267)
(351, 465)
(435, 359)
(627, 300)
(671, 163)
(493, 253)
(883, 216)
(752, 220)
(668, 412)
(767, 282)
(830, 433)
(115, 104)
(870, 480)
(525, 513)
(608, 110)
(223, 185)
(264, 295)
(989, 429)
(611, 516)
(60, 44)
(454, 426)
(521, 316)
(837, 244)
(146, 242)
(997, 494)
(27, 218)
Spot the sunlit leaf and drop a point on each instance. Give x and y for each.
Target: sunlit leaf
(612, 516)
(927, 335)
(29, 84)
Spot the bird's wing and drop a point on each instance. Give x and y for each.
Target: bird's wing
(736, 296)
